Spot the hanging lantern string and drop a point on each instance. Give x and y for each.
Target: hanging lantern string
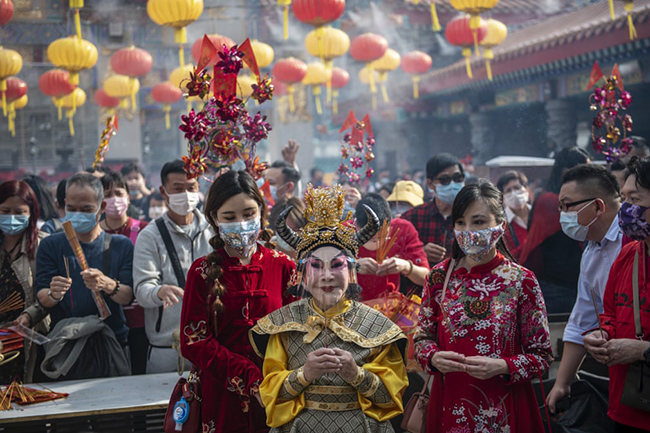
(3, 90)
(317, 93)
(612, 13)
(384, 92)
(629, 6)
(416, 86)
(489, 56)
(467, 52)
(474, 24)
(435, 22)
(285, 17)
(76, 5)
(181, 56)
(335, 104)
(292, 103)
(167, 109)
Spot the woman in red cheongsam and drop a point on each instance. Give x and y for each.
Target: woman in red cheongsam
(486, 337)
(226, 293)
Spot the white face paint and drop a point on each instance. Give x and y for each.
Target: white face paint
(327, 275)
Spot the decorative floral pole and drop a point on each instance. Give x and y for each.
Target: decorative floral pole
(610, 127)
(356, 151)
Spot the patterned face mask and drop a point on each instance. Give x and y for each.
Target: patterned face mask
(476, 244)
(631, 219)
(241, 236)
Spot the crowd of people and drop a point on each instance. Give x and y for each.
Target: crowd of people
(262, 288)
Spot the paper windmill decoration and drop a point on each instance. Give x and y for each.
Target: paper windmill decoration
(610, 127)
(356, 149)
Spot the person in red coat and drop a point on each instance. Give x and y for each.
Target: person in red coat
(619, 346)
(226, 293)
(406, 257)
(514, 187)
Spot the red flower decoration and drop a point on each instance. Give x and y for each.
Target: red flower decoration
(231, 60)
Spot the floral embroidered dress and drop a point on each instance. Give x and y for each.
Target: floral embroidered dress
(230, 369)
(495, 310)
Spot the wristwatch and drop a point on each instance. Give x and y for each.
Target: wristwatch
(646, 356)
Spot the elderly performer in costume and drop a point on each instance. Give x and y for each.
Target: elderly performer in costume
(330, 362)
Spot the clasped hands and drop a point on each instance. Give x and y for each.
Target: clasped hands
(393, 265)
(614, 351)
(480, 367)
(330, 360)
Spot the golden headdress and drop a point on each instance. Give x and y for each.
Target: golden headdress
(326, 225)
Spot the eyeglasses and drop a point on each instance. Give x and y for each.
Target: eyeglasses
(446, 180)
(563, 207)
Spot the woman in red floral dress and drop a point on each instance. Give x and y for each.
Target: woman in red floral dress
(226, 293)
(487, 336)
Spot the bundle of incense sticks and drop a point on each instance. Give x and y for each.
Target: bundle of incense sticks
(23, 395)
(104, 312)
(11, 303)
(593, 299)
(386, 241)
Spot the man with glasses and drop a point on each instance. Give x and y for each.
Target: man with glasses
(445, 178)
(589, 202)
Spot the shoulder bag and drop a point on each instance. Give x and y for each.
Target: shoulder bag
(415, 412)
(636, 390)
(184, 409)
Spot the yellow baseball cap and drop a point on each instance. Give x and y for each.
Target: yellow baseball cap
(407, 191)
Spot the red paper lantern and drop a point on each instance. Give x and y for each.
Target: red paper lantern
(132, 62)
(416, 63)
(166, 94)
(291, 71)
(16, 88)
(340, 79)
(318, 12)
(459, 32)
(56, 83)
(279, 88)
(105, 101)
(6, 11)
(218, 41)
(368, 47)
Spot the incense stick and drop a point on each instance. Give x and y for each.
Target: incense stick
(104, 312)
(386, 241)
(11, 303)
(593, 299)
(67, 267)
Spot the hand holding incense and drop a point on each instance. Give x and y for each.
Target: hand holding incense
(386, 241)
(593, 299)
(104, 312)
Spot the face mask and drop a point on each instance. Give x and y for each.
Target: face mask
(631, 219)
(241, 236)
(82, 222)
(477, 244)
(572, 228)
(183, 203)
(116, 206)
(516, 199)
(447, 193)
(13, 224)
(156, 212)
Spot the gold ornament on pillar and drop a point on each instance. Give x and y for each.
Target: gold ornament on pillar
(389, 62)
(71, 102)
(497, 32)
(474, 8)
(316, 77)
(176, 14)
(72, 54)
(10, 64)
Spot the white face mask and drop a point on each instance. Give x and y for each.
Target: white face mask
(516, 199)
(156, 211)
(183, 203)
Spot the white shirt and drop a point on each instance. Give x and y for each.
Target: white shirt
(597, 260)
(511, 216)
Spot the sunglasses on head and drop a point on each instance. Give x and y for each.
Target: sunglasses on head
(446, 180)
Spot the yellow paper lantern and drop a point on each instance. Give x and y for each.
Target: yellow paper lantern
(264, 53)
(497, 32)
(122, 87)
(72, 54)
(176, 14)
(385, 64)
(474, 8)
(10, 64)
(316, 76)
(327, 43)
(245, 86)
(18, 104)
(70, 102)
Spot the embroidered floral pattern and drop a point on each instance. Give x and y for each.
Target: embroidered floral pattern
(209, 427)
(195, 332)
(236, 385)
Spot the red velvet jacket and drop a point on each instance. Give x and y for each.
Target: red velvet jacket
(618, 322)
(230, 369)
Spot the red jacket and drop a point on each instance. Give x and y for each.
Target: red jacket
(618, 322)
(230, 370)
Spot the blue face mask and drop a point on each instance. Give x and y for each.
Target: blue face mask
(447, 193)
(241, 236)
(82, 222)
(13, 224)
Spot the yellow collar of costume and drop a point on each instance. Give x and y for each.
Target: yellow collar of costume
(339, 308)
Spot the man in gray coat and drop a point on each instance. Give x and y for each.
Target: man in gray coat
(158, 286)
